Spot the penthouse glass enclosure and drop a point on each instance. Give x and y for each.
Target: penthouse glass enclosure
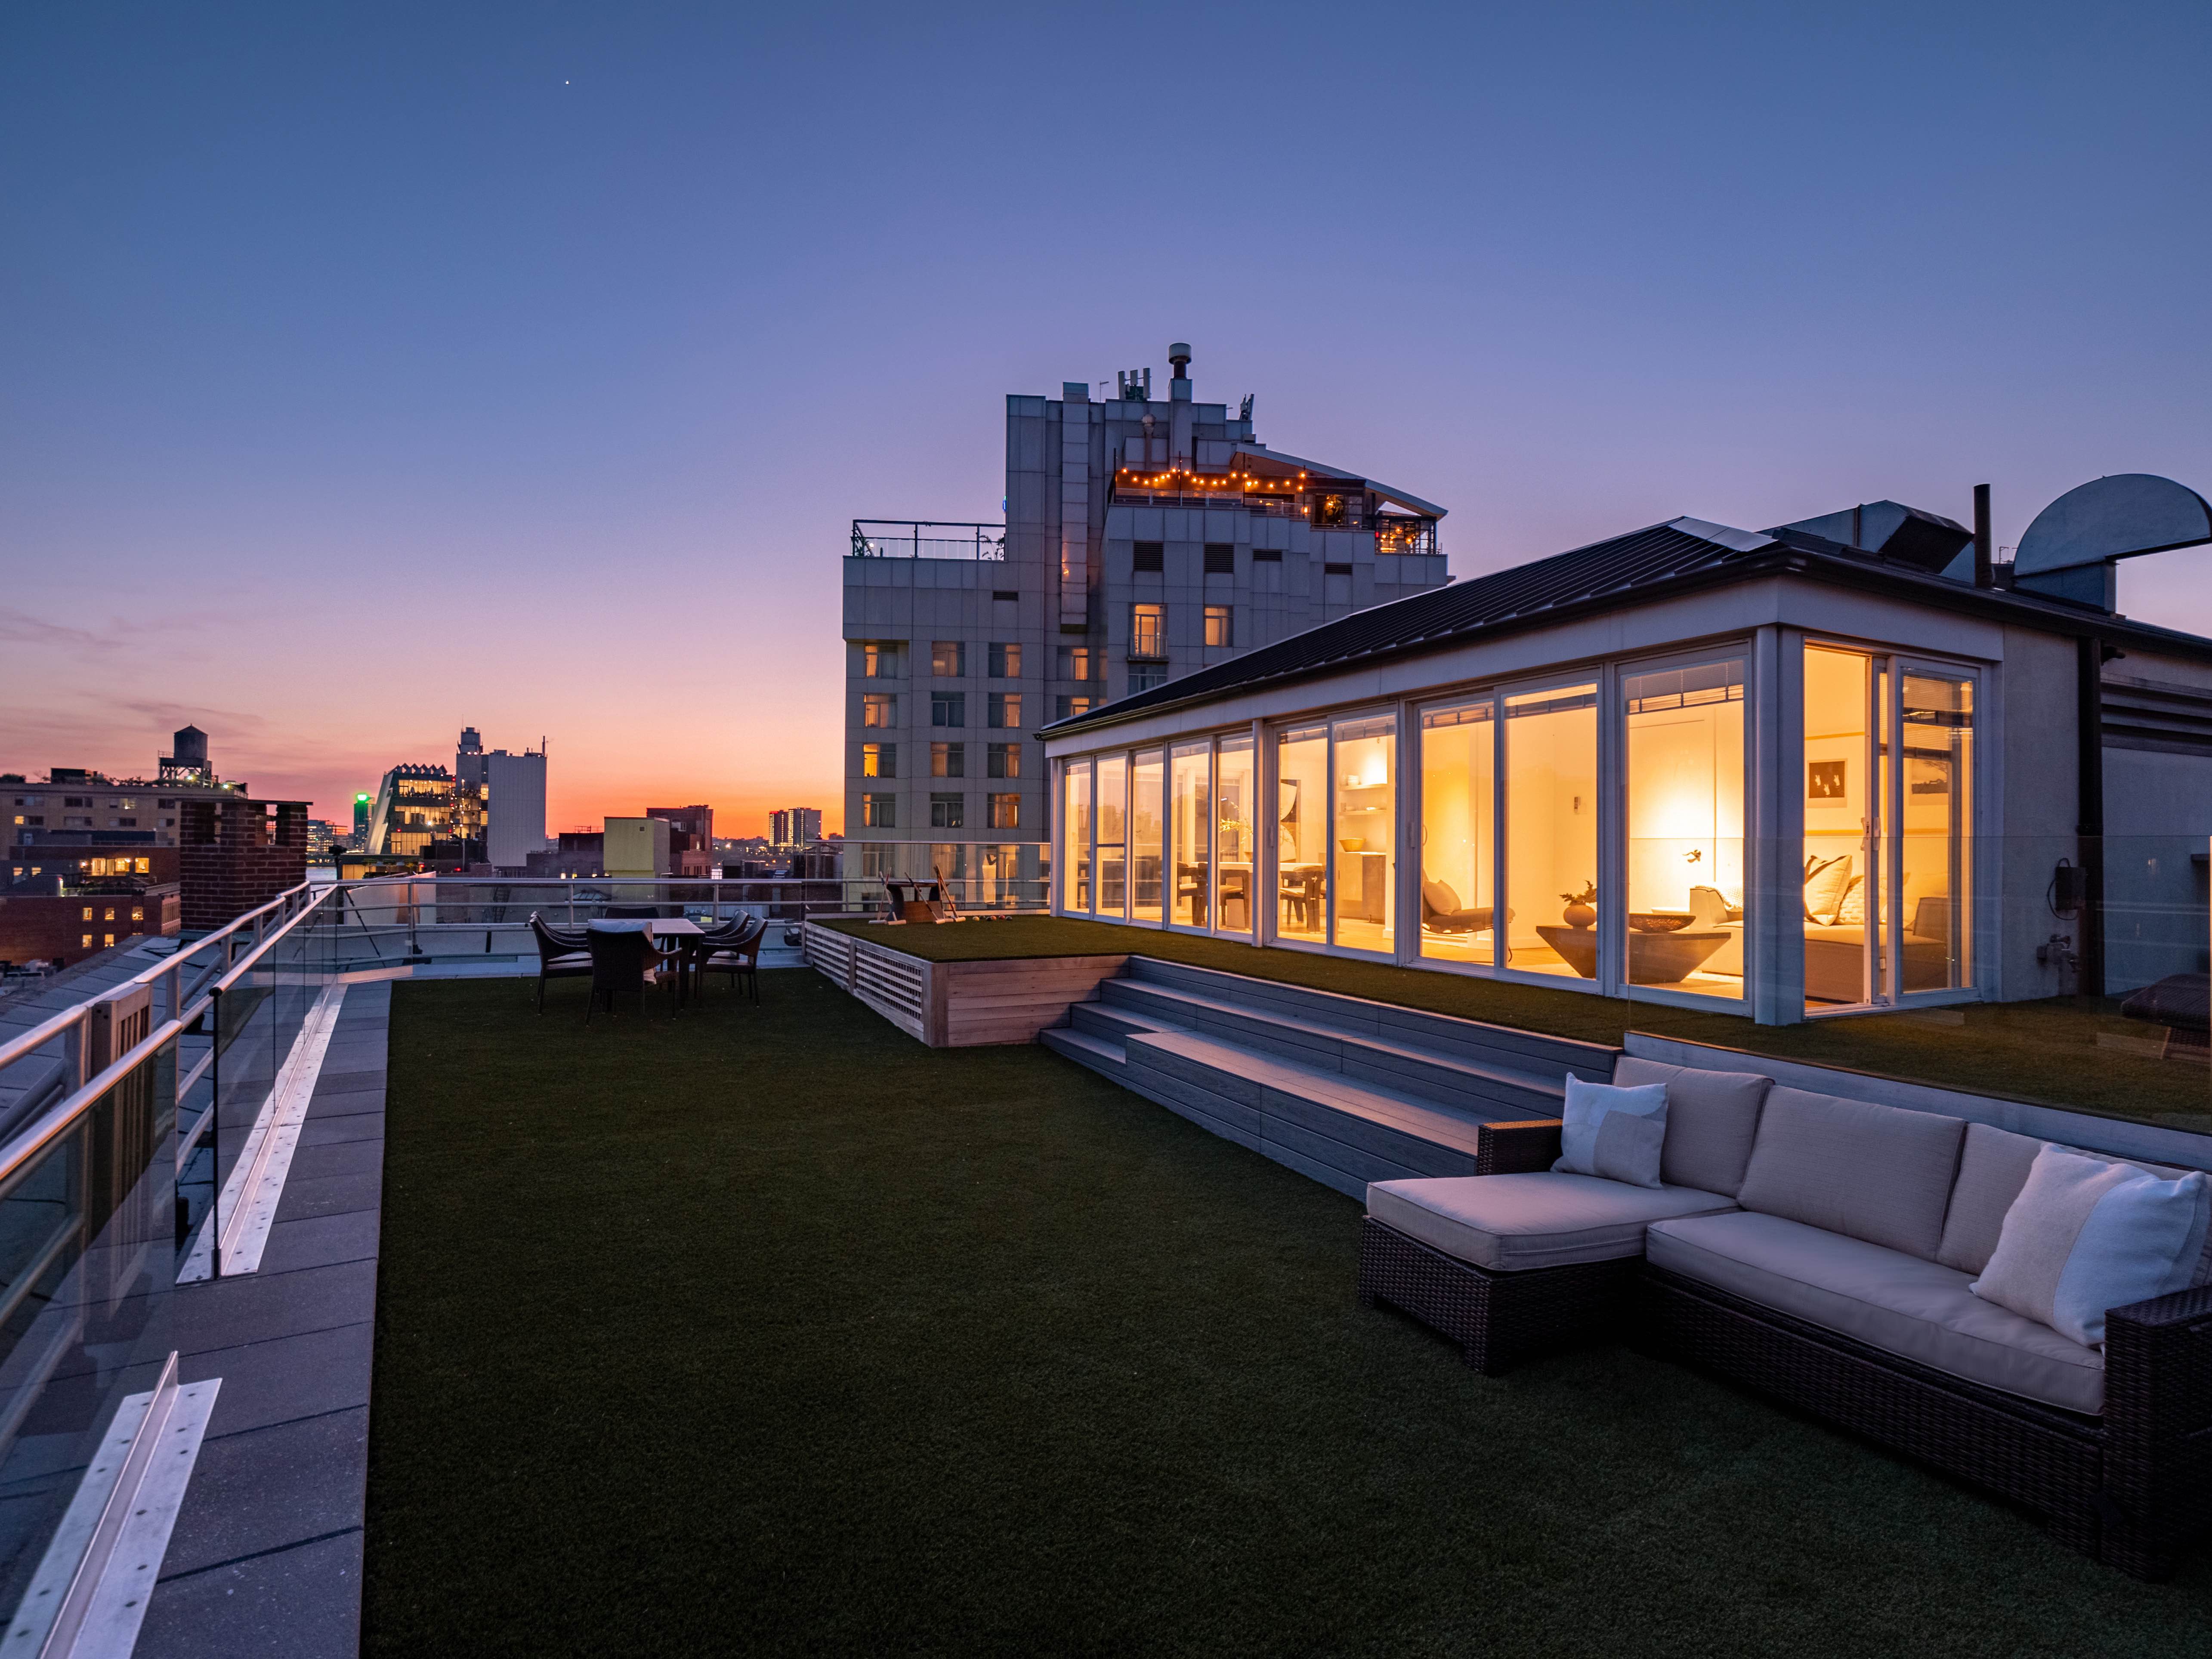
(1597, 828)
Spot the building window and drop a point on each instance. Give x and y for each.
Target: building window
(1076, 662)
(945, 812)
(109, 915)
(948, 659)
(107, 938)
(1006, 811)
(879, 811)
(1002, 760)
(1551, 830)
(1218, 628)
(883, 658)
(145, 866)
(1075, 836)
(86, 941)
(1220, 559)
(1148, 630)
(1459, 855)
(1333, 512)
(1005, 710)
(879, 709)
(948, 709)
(948, 760)
(1112, 819)
(878, 760)
(1685, 840)
(1144, 677)
(1365, 765)
(1149, 555)
(1006, 662)
(88, 914)
(1071, 707)
(137, 913)
(1191, 823)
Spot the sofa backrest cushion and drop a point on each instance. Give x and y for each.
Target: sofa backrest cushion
(1993, 1166)
(1878, 1173)
(1711, 1118)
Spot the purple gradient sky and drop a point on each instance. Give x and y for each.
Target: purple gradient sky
(364, 373)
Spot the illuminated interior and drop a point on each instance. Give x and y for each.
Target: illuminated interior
(1839, 763)
(1551, 832)
(1237, 864)
(1075, 861)
(1937, 824)
(1685, 797)
(1366, 832)
(1113, 788)
(1147, 828)
(1301, 834)
(1459, 832)
(1192, 822)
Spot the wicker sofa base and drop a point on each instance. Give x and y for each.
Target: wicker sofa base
(1498, 1319)
(2132, 1489)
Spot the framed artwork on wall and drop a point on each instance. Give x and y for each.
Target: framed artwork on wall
(1825, 779)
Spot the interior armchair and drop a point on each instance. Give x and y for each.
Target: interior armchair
(1442, 912)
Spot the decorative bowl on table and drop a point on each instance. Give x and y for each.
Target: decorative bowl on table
(1659, 922)
(1351, 843)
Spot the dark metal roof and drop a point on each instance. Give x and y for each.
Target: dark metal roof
(1680, 554)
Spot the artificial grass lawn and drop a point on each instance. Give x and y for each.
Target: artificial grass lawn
(770, 1330)
(2046, 1051)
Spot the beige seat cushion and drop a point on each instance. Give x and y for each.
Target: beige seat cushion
(1993, 1166)
(1877, 1173)
(1885, 1299)
(1712, 1118)
(1508, 1222)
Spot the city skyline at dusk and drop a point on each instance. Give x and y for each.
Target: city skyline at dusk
(357, 394)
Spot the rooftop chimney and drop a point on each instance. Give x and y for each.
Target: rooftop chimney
(1179, 359)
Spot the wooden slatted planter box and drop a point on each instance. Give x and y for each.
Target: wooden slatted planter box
(958, 1005)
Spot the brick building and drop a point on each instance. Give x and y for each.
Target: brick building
(235, 854)
(41, 919)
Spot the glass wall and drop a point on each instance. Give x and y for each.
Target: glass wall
(1238, 864)
(1551, 832)
(1685, 803)
(1113, 818)
(1301, 834)
(1459, 832)
(1842, 799)
(1366, 831)
(1147, 834)
(1191, 823)
(1075, 837)
(1936, 822)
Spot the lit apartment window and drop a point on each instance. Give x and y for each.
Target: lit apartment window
(945, 812)
(145, 866)
(1218, 630)
(948, 760)
(137, 913)
(878, 760)
(948, 709)
(87, 913)
(86, 941)
(1220, 559)
(1005, 710)
(1149, 555)
(1006, 811)
(1148, 630)
(883, 658)
(948, 659)
(879, 709)
(1006, 662)
(1002, 760)
(110, 915)
(1071, 707)
(1075, 662)
(879, 811)
(107, 938)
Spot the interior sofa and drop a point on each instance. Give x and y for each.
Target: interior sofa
(1819, 1250)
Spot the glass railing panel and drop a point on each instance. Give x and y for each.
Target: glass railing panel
(87, 1227)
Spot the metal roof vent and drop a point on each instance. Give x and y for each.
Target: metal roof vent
(2069, 551)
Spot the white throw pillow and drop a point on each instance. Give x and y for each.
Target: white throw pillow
(1613, 1132)
(2087, 1234)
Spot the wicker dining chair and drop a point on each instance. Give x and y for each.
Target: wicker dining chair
(617, 967)
(738, 955)
(560, 955)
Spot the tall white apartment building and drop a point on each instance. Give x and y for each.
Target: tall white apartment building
(1144, 538)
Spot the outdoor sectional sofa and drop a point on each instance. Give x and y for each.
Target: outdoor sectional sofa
(1819, 1250)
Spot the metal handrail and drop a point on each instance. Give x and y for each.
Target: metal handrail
(69, 1018)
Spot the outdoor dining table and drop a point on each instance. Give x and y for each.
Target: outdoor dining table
(660, 930)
